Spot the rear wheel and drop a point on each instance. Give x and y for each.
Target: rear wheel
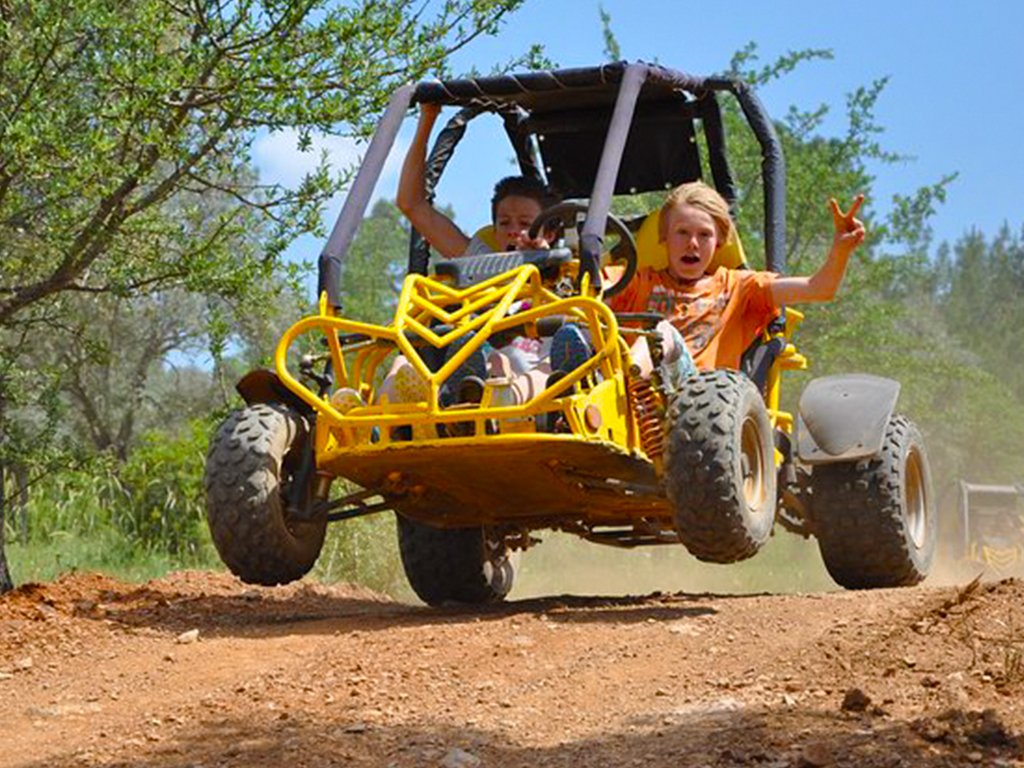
(454, 565)
(720, 467)
(250, 467)
(875, 518)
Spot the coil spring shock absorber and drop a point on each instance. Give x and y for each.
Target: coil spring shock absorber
(649, 412)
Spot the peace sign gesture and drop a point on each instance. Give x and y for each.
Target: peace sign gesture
(849, 230)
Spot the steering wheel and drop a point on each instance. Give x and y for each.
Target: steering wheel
(622, 250)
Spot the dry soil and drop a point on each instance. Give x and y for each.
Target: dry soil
(197, 669)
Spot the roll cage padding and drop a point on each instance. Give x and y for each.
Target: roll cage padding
(554, 90)
(329, 265)
(711, 118)
(773, 172)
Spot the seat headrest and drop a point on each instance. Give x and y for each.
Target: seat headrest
(487, 236)
(652, 252)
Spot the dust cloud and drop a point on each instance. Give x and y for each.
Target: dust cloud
(788, 564)
(565, 564)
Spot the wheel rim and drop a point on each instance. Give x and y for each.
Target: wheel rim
(916, 499)
(752, 464)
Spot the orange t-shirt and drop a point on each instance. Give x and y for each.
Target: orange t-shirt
(719, 316)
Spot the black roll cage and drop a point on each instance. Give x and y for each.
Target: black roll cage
(575, 102)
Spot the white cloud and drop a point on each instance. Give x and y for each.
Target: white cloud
(280, 161)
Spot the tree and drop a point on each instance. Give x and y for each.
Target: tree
(107, 352)
(113, 109)
(971, 293)
(375, 264)
(20, 429)
(978, 288)
(125, 131)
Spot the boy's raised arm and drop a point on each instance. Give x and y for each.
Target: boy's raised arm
(438, 229)
(823, 284)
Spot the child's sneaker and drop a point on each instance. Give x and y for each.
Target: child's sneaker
(344, 399)
(474, 365)
(570, 348)
(409, 386)
(471, 391)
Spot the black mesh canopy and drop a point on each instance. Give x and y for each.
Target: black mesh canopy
(660, 152)
(568, 113)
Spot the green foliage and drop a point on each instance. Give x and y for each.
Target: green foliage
(163, 501)
(363, 550)
(612, 51)
(375, 265)
(114, 112)
(126, 130)
(154, 501)
(967, 306)
(979, 285)
(125, 137)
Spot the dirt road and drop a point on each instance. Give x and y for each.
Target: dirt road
(94, 672)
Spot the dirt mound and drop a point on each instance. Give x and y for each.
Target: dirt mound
(24, 601)
(80, 607)
(197, 668)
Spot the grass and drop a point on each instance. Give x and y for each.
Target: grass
(361, 551)
(566, 564)
(102, 551)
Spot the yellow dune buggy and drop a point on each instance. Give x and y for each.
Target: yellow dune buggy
(712, 463)
(989, 528)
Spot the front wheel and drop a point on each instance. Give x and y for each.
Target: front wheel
(250, 467)
(720, 467)
(875, 518)
(454, 565)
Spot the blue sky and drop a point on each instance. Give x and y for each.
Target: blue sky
(954, 103)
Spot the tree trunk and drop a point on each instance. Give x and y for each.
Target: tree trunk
(21, 473)
(6, 584)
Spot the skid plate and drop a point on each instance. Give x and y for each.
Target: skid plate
(509, 480)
